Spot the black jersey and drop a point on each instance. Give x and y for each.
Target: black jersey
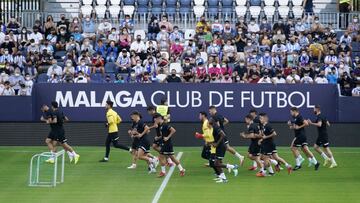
(163, 130)
(256, 120)
(219, 118)
(59, 115)
(139, 127)
(322, 130)
(217, 134)
(253, 128)
(299, 121)
(267, 130)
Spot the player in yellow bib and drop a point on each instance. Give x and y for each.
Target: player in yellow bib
(208, 137)
(163, 110)
(113, 120)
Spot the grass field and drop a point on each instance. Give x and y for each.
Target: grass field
(90, 181)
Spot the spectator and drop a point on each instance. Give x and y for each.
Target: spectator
(87, 47)
(83, 68)
(354, 29)
(293, 77)
(6, 57)
(153, 28)
(124, 39)
(49, 25)
(127, 23)
(54, 69)
(63, 23)
(265, 26)
(278, 79)
(176, 49)
(15, 80)
(7, 44)
(139, 47)
(356, 91)
(346, 38)
(332, 76)
(61, 39)
(253, 27)
(162, 39)
(30, 70)
(321, 79)
(112, 52)
(75, 25)
(98, 63)
(8, 90)
(100, 48)
(265, 78)
(88, 26)
(81, 78)
(104, 28)
(76, 34)
(306, 79)
(72, 46)
(173, 77)
(119, 79)
(216, 26)
(203, 24)
(113, 36)
(69, 68)
(138, 68)
(123, 61)
(52, 37)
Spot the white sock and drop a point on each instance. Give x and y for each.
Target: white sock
(180, 167)
(333, 160)
(169, 160)
(163, 169)
(71, 155)
(222, 176)
(262, 169)
(323, 155)
(238, 155)
(254, 164)
(230, 166)
(300, 156)
(287, 165)
(297, 160)
(270, 169)
(262, 161)
(310, 160)
(151, 160)
(274, 162)
(313, 159)
(74, 153)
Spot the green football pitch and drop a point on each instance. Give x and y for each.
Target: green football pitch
(90, 181)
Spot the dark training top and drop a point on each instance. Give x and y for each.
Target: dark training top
(59, 115)
(299, 121)
(139, 127)
(219, 118)
(267, 130)
(254, 128)
(217, 134)
(322, 130)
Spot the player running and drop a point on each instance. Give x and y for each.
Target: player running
(165, 133)
(214, 138)
(51, 139)
(113, 120)
(139, 133)
(323, 139)
(268, 146)
(207, 136)
(56, 120)
(253, 133)
(222, 121)
(298, 124)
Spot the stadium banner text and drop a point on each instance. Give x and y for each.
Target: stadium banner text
(86, 102)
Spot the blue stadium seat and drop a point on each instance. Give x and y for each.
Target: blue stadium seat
(213, 8)
(143, 7)
(129, 2)
(110, 67)
(185, 6)
(59, 54)
(157, 7)
(42, 78)
(355, 46)
(255, 2)
(227, 7)
(96, 78)
(171, 7)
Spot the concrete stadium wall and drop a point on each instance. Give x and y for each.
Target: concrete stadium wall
(94, 134)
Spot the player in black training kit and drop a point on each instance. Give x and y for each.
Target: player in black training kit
(268, 146)
(323, 139)
(56, 119)
(298, 124)
(253, 133)
(141, 146)
(50, 139)
(165, 133)
(222, 121)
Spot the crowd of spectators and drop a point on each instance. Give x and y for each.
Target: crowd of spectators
(73, 50)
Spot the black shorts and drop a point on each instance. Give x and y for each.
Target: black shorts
(300, 141)
(144, 144)
(60, 136)
(268, 148)
(254, 149)
(167, 148)
(205, 154)
(220, 151)
(135, 144)
(157, 142)
(322, 140)
(52, 135)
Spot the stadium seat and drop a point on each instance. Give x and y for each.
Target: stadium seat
(269, 11)
(42, 78)
(129, 2)
(142, 7)
(101, 2)
(185, 7)
(199, 11)
(255, 2)
(157, 7)
(355, 46)
(241, 2)
(96, 78)
(227, 8)
(255, 11)
(283, 11)
(199, 2)
(114, 11)
(128, 10)
(115, 2)
(110, 67)
(297, 2)
(59, 54)
(100, 11)
(283, 2)
(176, 66)
(240, 11)
(189, 34)
(171, 6)
(87, 2)
(269, 2)
(141, 33)
(86, 10)
(298, 11)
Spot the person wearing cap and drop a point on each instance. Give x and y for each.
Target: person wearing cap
(112, 121)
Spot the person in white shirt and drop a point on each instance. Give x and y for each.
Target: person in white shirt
(29, 83)
(331, 58)
(8, 90)
(306, 79)
(81, 78)
(265, 79)
(2, 37)
(104, 28)
(36, 36)
(24, 91)
(292, 46)
(278, 79)
(6, 57)
(253, 27)
(216, 26)
(278, 49)
(293, 77)
(138, 46)
(321, 79)
(329, 68)
(113, 36)
(54, 69)
(138, 68)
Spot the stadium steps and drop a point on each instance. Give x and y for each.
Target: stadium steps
(69, 7)
(325, 6)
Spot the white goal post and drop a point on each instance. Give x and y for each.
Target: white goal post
(43, 174)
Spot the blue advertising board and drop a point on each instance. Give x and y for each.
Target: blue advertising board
(85, 102)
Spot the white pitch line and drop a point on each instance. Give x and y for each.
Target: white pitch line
(165, 181)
